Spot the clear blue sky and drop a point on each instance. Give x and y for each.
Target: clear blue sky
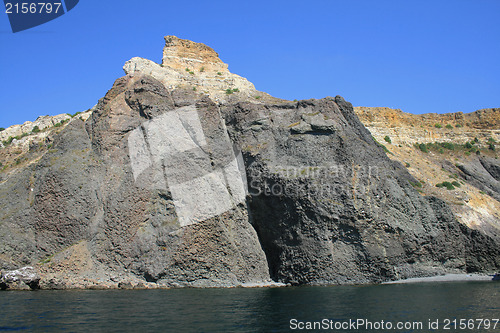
(418, 55)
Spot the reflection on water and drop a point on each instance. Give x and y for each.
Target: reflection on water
(243, 310)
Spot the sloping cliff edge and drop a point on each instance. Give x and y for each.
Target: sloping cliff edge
(184, 175)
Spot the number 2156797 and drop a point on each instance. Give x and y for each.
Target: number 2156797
(33, 8)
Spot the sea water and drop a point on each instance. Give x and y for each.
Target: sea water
(420, 307)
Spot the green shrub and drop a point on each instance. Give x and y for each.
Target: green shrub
(447, 145)
(74, 114)
(19, 137)
(468, 145)
(491, 140)
(194, 88)
(191, 72)
(415, 184)
(448, 185)
(2, 129)
(387, 139)
(8, 141)
(187, 69)
(381, 145)
(202, 69)
(219, 73)
(423, 147)
(438, 125)
(491, 146)
(449, 126)
(385, 148)
(407, 164)
(257, 97)
(35, 129)
(458, 125)
(476, 140)
(58, 125)
(230, 91)
(455, 183)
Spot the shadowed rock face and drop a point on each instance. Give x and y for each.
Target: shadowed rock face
(163, 186)
(171, 167)
(330, 207)
(151, 183)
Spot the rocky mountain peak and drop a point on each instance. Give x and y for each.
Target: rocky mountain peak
(197, 67)
(180, 54)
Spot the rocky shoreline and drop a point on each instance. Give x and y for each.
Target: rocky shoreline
(26, 278)
(444, 278)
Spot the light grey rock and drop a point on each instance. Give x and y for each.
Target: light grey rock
(22, 278)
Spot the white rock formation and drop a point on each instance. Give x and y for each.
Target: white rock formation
(194, 66)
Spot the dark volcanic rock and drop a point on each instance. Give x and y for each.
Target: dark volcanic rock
(492, 166)
(163, 185)
(332, 208)
(484, 174)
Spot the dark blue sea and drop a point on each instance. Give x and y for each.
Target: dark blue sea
(424, 307)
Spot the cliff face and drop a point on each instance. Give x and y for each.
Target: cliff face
(186, 178)
(457, 147)
(330, 207)
(406, 128)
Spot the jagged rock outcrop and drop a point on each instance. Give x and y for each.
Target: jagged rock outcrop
(23, 278)
(197, 67)
(42, 122)
(166, 186)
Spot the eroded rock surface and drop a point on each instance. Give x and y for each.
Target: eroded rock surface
(23, 278)
(169, 186)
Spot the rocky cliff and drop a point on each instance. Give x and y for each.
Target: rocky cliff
(185, 175)
(406, 128)
(457, 148)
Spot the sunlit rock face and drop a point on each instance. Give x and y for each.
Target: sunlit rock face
(195, 66)
(180, 54)
(169, 185)
(172, 149)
